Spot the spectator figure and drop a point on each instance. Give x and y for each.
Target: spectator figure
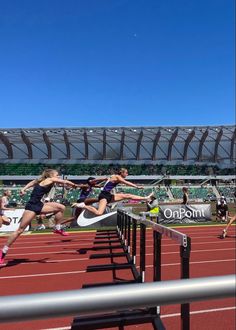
(4, 207)
(153, 209)
(222, 210)
(153, 205)
(223, 197)
(185, 196)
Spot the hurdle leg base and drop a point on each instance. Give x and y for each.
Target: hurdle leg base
(120, 319)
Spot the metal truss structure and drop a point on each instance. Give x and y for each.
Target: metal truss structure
(135, 145)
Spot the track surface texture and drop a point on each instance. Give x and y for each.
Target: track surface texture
(47, 262)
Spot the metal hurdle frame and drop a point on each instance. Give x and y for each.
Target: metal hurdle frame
(158, 230)
(127, 225)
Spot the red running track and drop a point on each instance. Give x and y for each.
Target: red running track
(47, 262)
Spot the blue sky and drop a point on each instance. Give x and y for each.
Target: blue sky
(116, 63)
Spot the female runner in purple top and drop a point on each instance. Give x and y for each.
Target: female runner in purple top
(106, 196)
(86, 190)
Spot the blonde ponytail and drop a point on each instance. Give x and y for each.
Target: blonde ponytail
(46, 174)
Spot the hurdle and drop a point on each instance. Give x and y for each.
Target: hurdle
(129, 225)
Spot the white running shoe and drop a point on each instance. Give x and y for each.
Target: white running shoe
(79, 205)
(40, 227)
(224, 234)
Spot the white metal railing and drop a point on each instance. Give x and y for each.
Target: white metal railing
(113, 298)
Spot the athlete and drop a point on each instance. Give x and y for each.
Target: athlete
(106, 196)
(35, 206)
(3, 207)
(86, 190)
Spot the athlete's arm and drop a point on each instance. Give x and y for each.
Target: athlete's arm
(66, 182)
(82, 186)
(99, 180)
(98, 183)
(2, 207)
(127, 183)
(28, 186)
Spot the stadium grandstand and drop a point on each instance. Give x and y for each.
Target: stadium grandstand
(162, 158)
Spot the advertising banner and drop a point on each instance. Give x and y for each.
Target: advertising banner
(179, 213)
(15, 218)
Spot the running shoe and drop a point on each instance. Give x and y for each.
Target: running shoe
(224, 234)
(60, 232)
(40, 227)
(78, 205)
(2, 261)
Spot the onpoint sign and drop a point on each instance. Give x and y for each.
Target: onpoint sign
(183, 213)
(179, 213)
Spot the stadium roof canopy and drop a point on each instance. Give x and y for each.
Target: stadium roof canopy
(133, 145)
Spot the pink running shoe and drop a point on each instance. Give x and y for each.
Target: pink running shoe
(2, 261)
(60, 232)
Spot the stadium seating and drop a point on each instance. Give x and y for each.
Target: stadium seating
(228, 192)
(194, 192)
(105, 169)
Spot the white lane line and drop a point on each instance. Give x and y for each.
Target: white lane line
(197, 312)
(147, 254)
(42, 253)
(21, 242)
(148, 246)
(87, 259)
(49, 246)
(30, 239)
(65, 328)
(53, 261)
(84, 271)
(23, 245)
(195, 262)
(43, 274)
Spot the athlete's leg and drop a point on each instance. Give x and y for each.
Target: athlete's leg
(27, 217)
(121, 196)
(77, 211)
(6, 220)
(101, 207)
(89, 201)
(231, 220)
(58, 209)
(116, 197)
